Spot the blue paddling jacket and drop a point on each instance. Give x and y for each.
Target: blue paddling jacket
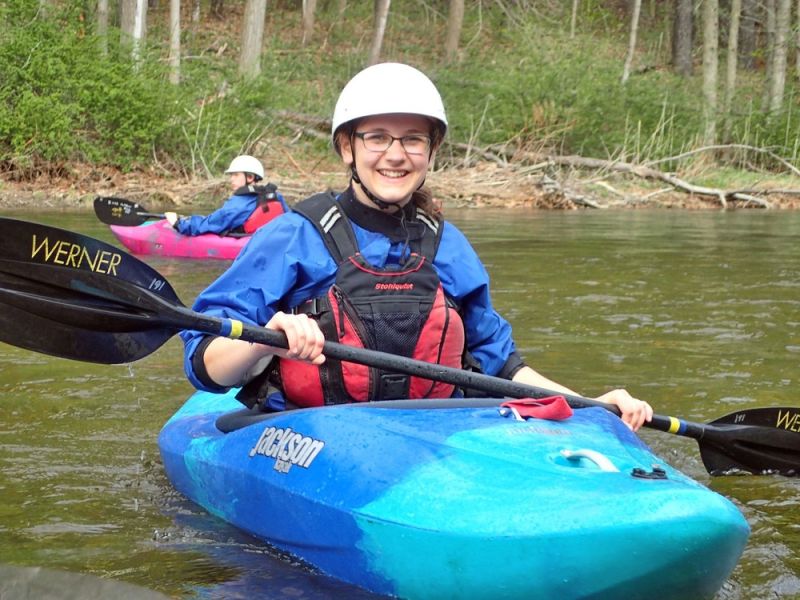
(227, 218)
(287, 263)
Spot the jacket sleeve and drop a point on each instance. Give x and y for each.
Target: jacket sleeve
(464, 278)
(232, 214)
(284, 264)
(282, 200)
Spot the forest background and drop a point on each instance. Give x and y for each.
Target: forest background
(551, 103)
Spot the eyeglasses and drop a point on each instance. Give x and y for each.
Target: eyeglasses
(376, 141)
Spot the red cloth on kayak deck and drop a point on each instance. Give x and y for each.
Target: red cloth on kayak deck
(552, 408)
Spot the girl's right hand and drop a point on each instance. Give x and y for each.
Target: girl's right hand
(303, 334)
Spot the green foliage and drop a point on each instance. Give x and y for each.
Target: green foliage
(569, 97)
(519, 78)
(61, 100)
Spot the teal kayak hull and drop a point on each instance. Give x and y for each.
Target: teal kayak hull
(459, 502)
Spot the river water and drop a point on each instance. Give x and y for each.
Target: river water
(697, 312)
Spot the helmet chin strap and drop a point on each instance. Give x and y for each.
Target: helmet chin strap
(379, 203)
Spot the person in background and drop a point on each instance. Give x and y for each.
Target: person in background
(375, 266)
(249, 207)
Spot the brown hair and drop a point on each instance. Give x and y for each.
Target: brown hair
(423, 199)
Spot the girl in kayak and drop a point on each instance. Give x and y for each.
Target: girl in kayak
(375, 266)
(249, 207)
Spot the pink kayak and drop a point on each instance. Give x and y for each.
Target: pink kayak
(160, 239)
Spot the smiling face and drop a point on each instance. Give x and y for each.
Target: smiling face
(392, 175)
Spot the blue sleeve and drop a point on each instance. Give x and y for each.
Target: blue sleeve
(284, 264)
(282, 200)
(464, 278)
(229, 216)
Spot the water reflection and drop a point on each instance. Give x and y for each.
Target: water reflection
(696, 312)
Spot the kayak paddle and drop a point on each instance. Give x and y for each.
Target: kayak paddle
(73, 296)
(119, 211)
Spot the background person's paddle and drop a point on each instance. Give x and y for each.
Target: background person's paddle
(119, 211)
(76, 297)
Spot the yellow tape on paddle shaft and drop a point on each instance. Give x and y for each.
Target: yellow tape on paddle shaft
(674, 425)
(231, 328)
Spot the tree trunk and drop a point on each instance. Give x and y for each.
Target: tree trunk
(133, 22)
(217, 9)
(783, 15)
(196, 11)
(710, 64)
(797, 43)
(455, 19)
(626, 69)
(732, 60)
(309, 8)
(683, 38)
(574, 19)
(342, 7)
(381, 16)
(175, 41)
(255, 11)
(747, 35)
(139, 29)
(127, 10)
(102, 25)
(769, 64)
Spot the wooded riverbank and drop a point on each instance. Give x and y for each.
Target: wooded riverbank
(538, 114)
(552, 182)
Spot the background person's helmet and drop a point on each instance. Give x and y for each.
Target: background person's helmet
(246, 164)
(388, 88)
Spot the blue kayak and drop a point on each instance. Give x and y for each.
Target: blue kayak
(418, 501)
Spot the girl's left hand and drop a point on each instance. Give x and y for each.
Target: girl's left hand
(634, 412)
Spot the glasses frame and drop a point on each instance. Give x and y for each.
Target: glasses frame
(363, 134)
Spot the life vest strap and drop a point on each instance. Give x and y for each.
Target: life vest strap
(333, 225)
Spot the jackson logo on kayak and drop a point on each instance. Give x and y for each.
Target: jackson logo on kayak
(537, 430)
(789, 420)
(287, 447)
(70, 254)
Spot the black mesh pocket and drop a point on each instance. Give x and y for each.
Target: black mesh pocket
(395, 332)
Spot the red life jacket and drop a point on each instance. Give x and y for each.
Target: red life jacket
(397, 309)
(267, 206)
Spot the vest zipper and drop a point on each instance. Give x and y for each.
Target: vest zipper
(347, 311)
(340, 306)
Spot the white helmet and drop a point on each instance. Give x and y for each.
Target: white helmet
(388, 88)
(246, 164)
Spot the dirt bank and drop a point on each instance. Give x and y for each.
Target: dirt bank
(485, 184)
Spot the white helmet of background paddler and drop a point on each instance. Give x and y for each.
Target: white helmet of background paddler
(247, 164)
(389, 88)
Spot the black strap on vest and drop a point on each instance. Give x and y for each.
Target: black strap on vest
(330, 218)
(265, 193)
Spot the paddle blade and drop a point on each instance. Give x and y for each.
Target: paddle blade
(72, 296)
(31, 331)
(759, 441)
(119, 211)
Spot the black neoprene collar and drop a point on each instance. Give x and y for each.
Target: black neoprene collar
(399, 226)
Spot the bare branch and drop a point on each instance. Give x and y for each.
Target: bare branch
(716, 147)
